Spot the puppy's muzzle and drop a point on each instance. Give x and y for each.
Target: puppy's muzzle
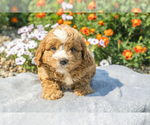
(63, 61)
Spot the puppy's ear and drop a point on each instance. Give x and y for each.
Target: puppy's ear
(84, 50)
(87, 60)
(39, 53)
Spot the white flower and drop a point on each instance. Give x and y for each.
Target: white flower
(31, 35)
(64, 5)
(55, 25)
(23, 30)
(69, 17)
(44, 32)
(94, 41)
(9, 53)
(69, 6)
(13, 51)
(20, 52)
(7, 50)
(30, 55)
(26, 52)
(11, 44)
(30, 27)
(23, 36)
(2, 49)
(20, 60)
(40, 36)
(6, 43)
(90, 39)
(40, 27)
(102, 43)
(19, 31)
(47, 26)
(36, 31)
(104, 62)
(64, 16)
(32, 44)
(33, 62)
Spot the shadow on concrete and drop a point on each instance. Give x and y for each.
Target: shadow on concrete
(102, 84)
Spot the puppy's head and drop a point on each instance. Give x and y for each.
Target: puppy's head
(63, 49)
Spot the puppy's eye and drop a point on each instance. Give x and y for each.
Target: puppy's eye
(72, 49)
(53, 49)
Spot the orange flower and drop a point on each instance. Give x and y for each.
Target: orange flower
(75, 26)
(127, 54)
(109, 32)
(40, 15)
(116, 16)
(116, 5)
(139, 49)
(14, 9)
(85, 31)
(87, 34)
(67, 22)
(99, 36)
(92, 17)
(106, 41)
(136, 10)
(60, 1)
(40, 3)
(14, 20)
(60, 12)
(92, 30)
(144, 49)
(78, 13)
(87, 43)
(71, 13)
(101, 23)
(100, 11)
(71, 1)
(60, 21)
(119, 41)
(92, 5)
(136, 22)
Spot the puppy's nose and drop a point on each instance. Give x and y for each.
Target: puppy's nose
(63, 61)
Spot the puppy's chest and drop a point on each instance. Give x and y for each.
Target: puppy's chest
(67, 80)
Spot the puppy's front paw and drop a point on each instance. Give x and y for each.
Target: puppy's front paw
(83, 91)
(49, 95)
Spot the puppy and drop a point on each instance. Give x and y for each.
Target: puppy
(64, 62)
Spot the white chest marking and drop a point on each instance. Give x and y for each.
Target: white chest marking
(68, 80)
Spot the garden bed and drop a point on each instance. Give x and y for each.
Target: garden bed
(8, 67)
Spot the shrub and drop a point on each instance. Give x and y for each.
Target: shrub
(3, 20)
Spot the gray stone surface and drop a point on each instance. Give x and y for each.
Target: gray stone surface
(118, 91)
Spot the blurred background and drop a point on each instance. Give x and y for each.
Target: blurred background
(115, 31)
